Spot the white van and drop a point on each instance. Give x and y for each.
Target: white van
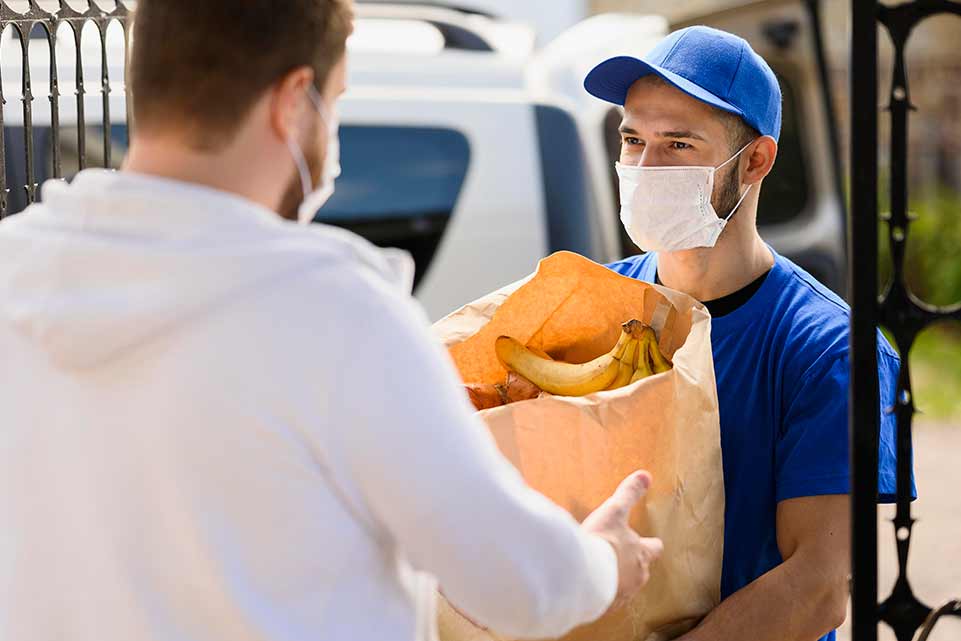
(463, 142)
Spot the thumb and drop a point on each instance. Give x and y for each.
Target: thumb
(629, 492)
(655, 547)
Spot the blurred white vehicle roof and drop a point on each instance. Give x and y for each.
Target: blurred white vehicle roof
(562, 65)
(398, 27)
(548, 18)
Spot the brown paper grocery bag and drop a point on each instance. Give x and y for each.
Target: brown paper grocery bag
(577, 450)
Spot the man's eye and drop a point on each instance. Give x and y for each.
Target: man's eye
(678, 145)
(632, 141)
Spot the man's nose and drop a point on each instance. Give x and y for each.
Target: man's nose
(650, 157)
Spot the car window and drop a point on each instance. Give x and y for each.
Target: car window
(566, 181)
(15, 156)
(785, 193)
(399, 186)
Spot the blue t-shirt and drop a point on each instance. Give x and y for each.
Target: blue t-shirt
(782, 369)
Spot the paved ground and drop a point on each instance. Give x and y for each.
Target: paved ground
(934, 565)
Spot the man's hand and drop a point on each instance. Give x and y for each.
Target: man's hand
(634, 553)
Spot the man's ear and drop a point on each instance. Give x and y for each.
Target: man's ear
(288, 102)
(760, 156)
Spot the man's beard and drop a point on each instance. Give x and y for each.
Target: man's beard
(728, 194)
(294, 194)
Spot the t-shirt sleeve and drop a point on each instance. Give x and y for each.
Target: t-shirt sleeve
(632, 267)
(888, 369)
(812, 451)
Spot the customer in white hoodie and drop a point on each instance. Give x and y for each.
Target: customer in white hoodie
(217, 425)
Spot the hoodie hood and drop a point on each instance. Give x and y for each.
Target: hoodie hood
(116, 259)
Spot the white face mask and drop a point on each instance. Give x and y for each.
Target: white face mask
(669, 208)
(314, 199)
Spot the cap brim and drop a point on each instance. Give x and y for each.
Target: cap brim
(613, 78)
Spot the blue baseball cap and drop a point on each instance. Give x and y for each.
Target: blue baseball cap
(713, 66)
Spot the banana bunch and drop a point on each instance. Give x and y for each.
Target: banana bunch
(635, 356)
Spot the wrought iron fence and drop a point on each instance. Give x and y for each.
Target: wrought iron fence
(51, 36)
(898, 309)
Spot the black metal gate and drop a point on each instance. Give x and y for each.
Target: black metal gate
(34, 20)
(902, 313)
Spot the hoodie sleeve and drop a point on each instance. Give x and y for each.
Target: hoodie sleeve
(431, 474)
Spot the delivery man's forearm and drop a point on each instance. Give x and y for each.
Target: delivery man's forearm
(806, 596)
(782, 605)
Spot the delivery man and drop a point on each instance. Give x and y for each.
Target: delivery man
(702, 115)
(219, 425)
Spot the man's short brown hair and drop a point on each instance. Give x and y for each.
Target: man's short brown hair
(739, 133)
(201, 65)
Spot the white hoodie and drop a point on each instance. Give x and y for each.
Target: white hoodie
(216, 425)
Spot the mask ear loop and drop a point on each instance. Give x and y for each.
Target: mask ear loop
(301, 162)
(318, 103)
(306, 182)
(746, 191)
(739, 152)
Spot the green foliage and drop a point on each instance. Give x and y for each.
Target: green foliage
(933, 249)
(936, 373)
(933, 273)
